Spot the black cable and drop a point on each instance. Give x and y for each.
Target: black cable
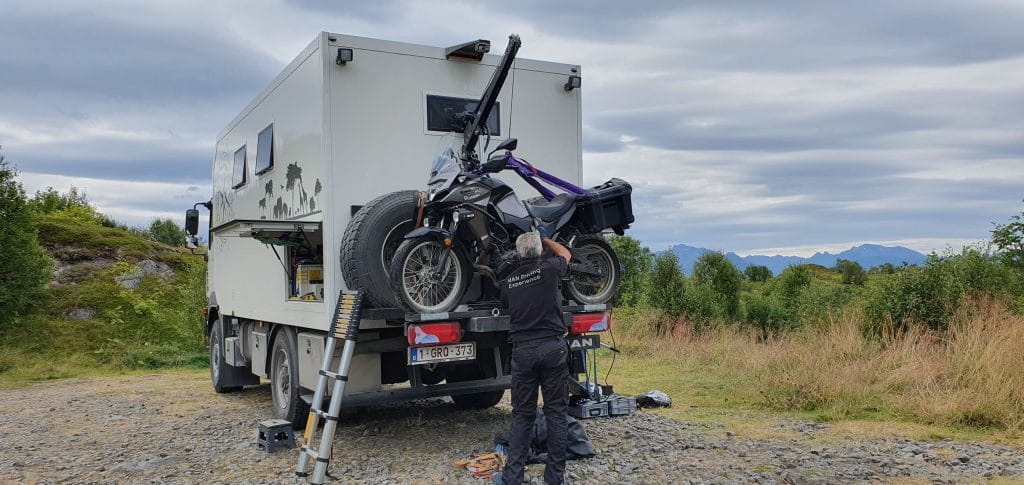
(611, 333)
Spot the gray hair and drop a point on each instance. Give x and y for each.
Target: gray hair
(528, 245)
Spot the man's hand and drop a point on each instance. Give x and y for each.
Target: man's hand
(558, 249)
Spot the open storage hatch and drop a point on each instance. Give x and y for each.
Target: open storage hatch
(301, 254)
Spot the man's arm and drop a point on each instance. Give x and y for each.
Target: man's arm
(558, 249)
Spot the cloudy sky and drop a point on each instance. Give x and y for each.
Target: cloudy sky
(751, 126)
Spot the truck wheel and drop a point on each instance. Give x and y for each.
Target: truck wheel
(219, 370)
(483, 370)
(370, 241)
(284, 379)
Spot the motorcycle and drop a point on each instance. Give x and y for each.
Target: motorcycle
(469, 222)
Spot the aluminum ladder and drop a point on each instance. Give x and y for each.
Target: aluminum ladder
(345, 326)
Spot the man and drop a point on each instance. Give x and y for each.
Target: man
(539, 354)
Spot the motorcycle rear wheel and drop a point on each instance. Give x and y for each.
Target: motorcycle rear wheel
(587, 289)
(414, 282)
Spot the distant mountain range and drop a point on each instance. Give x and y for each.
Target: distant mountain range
(867, 255)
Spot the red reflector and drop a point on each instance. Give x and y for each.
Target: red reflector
(206, 312)
(434, 333)
(591, 322)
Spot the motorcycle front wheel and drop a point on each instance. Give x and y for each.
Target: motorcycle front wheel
(600, 284)
(418, 282)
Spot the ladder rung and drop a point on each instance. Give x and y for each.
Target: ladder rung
(325, 415)
(333, 375)
(312, 454)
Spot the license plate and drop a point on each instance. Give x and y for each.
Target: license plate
(584, 342)
(442, 353)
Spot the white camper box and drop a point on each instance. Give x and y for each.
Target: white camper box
(322, 140)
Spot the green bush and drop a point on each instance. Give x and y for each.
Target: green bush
(851, 272)
(704, 305)
(1009, 241)
(168, 232)
(667, 287)
(766, 312)
(25, 267)
(757, 272)
(932, 295)
(712, 269)
(636, 268)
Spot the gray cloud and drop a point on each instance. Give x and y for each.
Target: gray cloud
(742, 125)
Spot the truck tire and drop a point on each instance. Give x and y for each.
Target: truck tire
(219, 370)
(370, 241)
(483, 370)
(284, 379)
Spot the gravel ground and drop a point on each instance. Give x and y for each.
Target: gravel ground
(172, 428)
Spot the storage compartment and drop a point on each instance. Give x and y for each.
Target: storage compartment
(607, 206)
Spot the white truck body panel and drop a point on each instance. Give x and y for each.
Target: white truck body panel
(345, 134)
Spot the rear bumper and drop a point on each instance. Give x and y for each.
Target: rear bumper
(422, 392)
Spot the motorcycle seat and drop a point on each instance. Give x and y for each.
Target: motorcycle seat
(549, 210)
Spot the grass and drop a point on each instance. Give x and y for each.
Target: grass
(966, 382)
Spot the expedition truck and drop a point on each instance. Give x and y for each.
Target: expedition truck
(297, 215)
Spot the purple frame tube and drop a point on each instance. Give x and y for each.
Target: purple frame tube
(530, 174)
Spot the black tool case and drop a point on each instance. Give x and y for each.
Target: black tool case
(607, 206)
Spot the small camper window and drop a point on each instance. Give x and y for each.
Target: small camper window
(238, 173)
(265, 150)
(442, 112)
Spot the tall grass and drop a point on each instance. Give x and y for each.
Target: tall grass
(971, 373)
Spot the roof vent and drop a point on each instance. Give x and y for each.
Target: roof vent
(474, 50)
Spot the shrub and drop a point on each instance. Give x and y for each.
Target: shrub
(712, 269)
(852, 273)
(636, 268)
(168, 232)
(766, 312)
(667, 288)
(25, 267)
(792, 280)
(757, 273)
(933, 294)
(1009, 240)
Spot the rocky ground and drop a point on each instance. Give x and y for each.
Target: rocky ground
(172, 428)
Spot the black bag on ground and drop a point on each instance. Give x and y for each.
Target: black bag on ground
(578, 444)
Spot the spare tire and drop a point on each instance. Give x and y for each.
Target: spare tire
(370, 241)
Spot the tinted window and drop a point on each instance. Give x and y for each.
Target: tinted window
(265, 150)
(238, 173)
(442, 110)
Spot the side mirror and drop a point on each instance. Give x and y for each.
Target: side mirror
(192, 222)
(509, 144)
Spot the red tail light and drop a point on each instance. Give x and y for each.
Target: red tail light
(434, 333)
(591, 322)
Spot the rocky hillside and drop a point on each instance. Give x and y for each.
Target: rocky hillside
(116, 300)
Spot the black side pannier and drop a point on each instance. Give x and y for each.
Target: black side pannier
(606, 206)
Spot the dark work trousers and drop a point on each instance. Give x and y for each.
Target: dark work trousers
(538, 363)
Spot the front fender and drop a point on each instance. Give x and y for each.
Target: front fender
(432, 232)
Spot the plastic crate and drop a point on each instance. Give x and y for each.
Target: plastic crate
(621, 406)
(588, 409)
(607, 206)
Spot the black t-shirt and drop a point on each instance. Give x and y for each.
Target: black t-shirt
(534, 304)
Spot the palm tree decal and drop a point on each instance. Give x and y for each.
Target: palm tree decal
(316, 194)
(293, 175)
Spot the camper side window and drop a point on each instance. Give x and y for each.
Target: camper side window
(265, 150)
(238, 174)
